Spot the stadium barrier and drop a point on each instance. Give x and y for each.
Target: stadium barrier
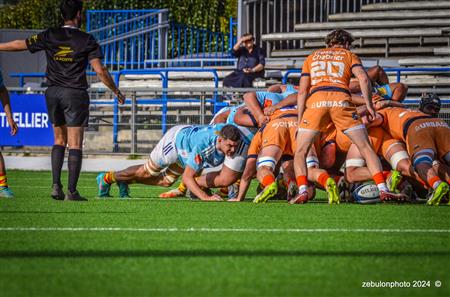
(133, 128)
(194, 106)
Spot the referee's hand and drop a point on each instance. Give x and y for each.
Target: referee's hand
(120, 97)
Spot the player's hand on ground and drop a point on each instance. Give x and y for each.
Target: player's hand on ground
(214, 197)
(234, 200)
(13, 126)
(120, 97)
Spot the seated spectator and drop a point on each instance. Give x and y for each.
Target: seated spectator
(251, 61)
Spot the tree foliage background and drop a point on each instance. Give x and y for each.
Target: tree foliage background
(39, 14)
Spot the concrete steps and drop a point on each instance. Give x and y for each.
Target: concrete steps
(410, 5)
(392, 41)
(366, 51)
(388, 15)
(443, 22)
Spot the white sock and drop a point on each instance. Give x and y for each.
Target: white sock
(436, 184)
(383, 187)
(302, 189)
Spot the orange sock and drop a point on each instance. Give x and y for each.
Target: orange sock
(378, 178)
(432, 181)
(109, 178)
(267, 180)
(386, 174)
(3, 180)
(302, 180)
(322, 180)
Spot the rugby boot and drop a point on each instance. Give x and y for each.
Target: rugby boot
(333, 194)
(393, 180)
(6, 192)
(102, 186)
(386, 196)
(300, 198)
(174, 193)
(438, 194)
(268, 192)
(124, 190)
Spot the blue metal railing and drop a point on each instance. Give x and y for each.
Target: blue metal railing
(97, 19)
(232, 33)
(130, 37)
(164, 74)
(193, 42)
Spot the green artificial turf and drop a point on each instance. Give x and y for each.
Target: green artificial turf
(190, 248)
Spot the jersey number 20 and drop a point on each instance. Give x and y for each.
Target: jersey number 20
(327, 68)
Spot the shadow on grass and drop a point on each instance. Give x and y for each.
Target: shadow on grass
(58, 212)
(209, 253)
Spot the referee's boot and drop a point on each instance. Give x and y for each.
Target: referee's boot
(75, 196)
(57, 192)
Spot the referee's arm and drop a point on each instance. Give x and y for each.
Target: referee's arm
(104, 75)
(13, 46)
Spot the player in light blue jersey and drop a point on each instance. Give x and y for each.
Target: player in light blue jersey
(257, 102)
(183, 150)
(226, 176)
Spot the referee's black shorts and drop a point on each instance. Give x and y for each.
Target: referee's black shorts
(67, 106)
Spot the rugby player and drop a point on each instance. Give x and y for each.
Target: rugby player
(430, 104)
(381, 86)
(427, 139)
(5, 191)
(183, 150)
(226, 176)
(324, 97)
(68, 51)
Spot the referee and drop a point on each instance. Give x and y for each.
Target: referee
(68, 51)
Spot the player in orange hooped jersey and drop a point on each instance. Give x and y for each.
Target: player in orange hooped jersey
(426, 139)
(268, 146)
(324, 97)
(392, 150)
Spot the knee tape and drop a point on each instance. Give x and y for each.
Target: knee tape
(423, 159)
(170, 178)
(355, 163)
(397, 157)
(266, 161)
(150, 168)
(312, 162)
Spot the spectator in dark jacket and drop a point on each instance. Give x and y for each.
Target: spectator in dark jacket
(250, 65)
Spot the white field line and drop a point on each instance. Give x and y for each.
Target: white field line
(219, 230)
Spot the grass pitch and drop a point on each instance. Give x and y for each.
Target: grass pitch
(150, 246)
